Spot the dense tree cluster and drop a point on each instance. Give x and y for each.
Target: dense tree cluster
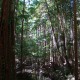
(43, 34)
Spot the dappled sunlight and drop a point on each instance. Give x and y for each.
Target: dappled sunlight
(39, 40)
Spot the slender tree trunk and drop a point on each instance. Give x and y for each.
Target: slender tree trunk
(22, 36)
(22, 46)
(75, 42)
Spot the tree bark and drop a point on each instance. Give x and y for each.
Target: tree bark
(6, 48)
(75, 42)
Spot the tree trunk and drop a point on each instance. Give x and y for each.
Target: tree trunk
(6, 48)
(22, 36)
(75, 42)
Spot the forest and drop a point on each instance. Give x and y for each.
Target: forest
(39, 40)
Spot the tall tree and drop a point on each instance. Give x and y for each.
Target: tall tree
(22, 35)
(7, 40)
(75, 42)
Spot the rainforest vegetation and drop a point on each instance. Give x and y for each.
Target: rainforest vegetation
(39, 39)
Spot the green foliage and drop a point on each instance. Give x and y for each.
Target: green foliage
(37, 14)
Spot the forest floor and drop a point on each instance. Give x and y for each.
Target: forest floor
(39, 75)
